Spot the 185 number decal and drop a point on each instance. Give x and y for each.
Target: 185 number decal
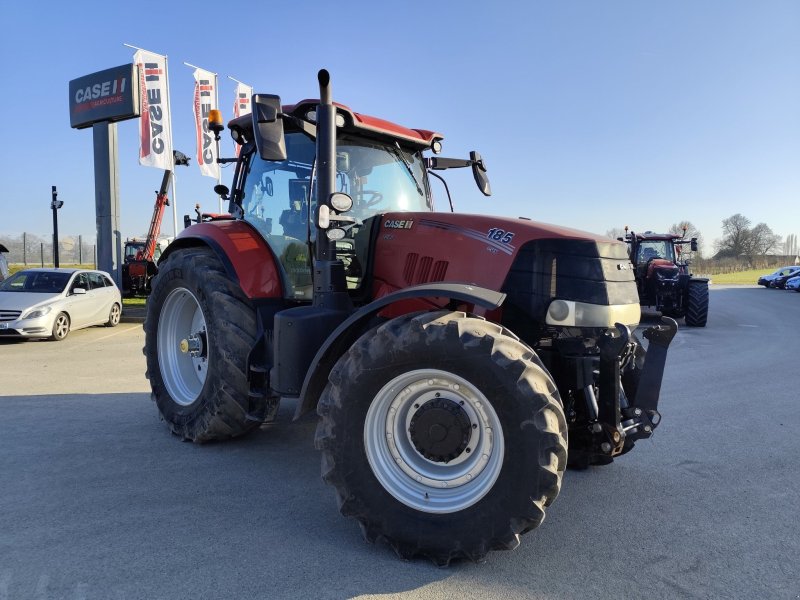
(500, 235)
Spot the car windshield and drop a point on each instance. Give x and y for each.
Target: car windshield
(44, 282)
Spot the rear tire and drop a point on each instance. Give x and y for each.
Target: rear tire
(114, 315)
(697, 304)
(443, 435)
(199, 330)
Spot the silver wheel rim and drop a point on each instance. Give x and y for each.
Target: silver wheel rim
(115, 314)
(182, 370)
(62, 326)
(410, 477)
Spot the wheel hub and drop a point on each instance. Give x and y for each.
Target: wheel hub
(440, 430)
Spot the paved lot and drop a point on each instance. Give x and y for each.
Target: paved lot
(97, 500)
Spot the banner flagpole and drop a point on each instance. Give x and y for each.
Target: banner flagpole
(174, 193)
(155, 130)
(219, 166)
(201, 122)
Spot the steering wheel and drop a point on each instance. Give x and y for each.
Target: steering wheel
(367, 199)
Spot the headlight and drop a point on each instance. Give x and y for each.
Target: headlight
(37, 312)
(582, 314)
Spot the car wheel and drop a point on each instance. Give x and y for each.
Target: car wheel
(114, 315)
(60, 327)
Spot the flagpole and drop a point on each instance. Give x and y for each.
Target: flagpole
(216, 104)
(219, 166)
(171, 155)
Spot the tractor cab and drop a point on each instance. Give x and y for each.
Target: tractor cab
(277, 198)
(379, 165)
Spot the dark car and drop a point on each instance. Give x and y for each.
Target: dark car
(766, 280)
(780, 281)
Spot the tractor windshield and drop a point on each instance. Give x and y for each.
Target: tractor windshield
(649, 249)
(379, 176)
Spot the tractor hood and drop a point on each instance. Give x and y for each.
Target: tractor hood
(532, 262)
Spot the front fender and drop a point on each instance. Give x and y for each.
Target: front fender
(247, 257)
(354, 326)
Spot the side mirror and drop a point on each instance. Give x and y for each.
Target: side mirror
(694, 245)
(268, 127)
(479, 173)
(79, 291)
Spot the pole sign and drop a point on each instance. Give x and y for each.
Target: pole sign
(110, 95)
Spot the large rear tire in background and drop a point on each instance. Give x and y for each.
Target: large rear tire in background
(199, 330)
(443, 435)
(697, 304)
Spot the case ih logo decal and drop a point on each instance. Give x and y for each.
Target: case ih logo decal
(99, 94)
(398, 224)
(498, 239)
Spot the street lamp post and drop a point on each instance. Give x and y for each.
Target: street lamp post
(55, 204)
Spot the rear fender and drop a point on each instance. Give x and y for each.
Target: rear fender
(356, 324)
(247, 258)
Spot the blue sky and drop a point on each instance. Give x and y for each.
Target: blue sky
(591, 114)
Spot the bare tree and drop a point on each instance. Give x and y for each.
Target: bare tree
(615, 233)
(762, 240)
(735, 241)
(790, 247)
(687, 230)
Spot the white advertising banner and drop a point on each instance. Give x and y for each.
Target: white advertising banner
(155, 125)
(205, 100)
(242, 105)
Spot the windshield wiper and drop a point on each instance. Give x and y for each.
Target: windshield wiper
(399, 154)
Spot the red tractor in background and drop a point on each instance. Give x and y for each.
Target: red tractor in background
(663, 278)
(140, 256)
(457, 362)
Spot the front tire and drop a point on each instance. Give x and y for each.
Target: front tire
(60, 327)
(444, 435)
(199, 330)
(697, 304)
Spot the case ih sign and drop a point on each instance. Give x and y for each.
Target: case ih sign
(110, 95)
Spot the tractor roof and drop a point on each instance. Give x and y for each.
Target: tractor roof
(365, 124)
(649, 235)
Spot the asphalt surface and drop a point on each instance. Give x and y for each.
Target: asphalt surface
(98, 500)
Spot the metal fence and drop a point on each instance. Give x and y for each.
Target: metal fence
(32, 249)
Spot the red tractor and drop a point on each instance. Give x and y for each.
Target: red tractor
(663, 278)
(450, 357)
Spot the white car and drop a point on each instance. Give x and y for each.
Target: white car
(49, 303)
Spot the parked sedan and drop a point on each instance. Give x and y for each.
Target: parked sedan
(780, 281)
(769, 279)
(793, 284)
(49, 303)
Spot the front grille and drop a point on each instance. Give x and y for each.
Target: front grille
(9, 315)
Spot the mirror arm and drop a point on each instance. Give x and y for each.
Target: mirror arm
(447, 189)
(304, 126)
